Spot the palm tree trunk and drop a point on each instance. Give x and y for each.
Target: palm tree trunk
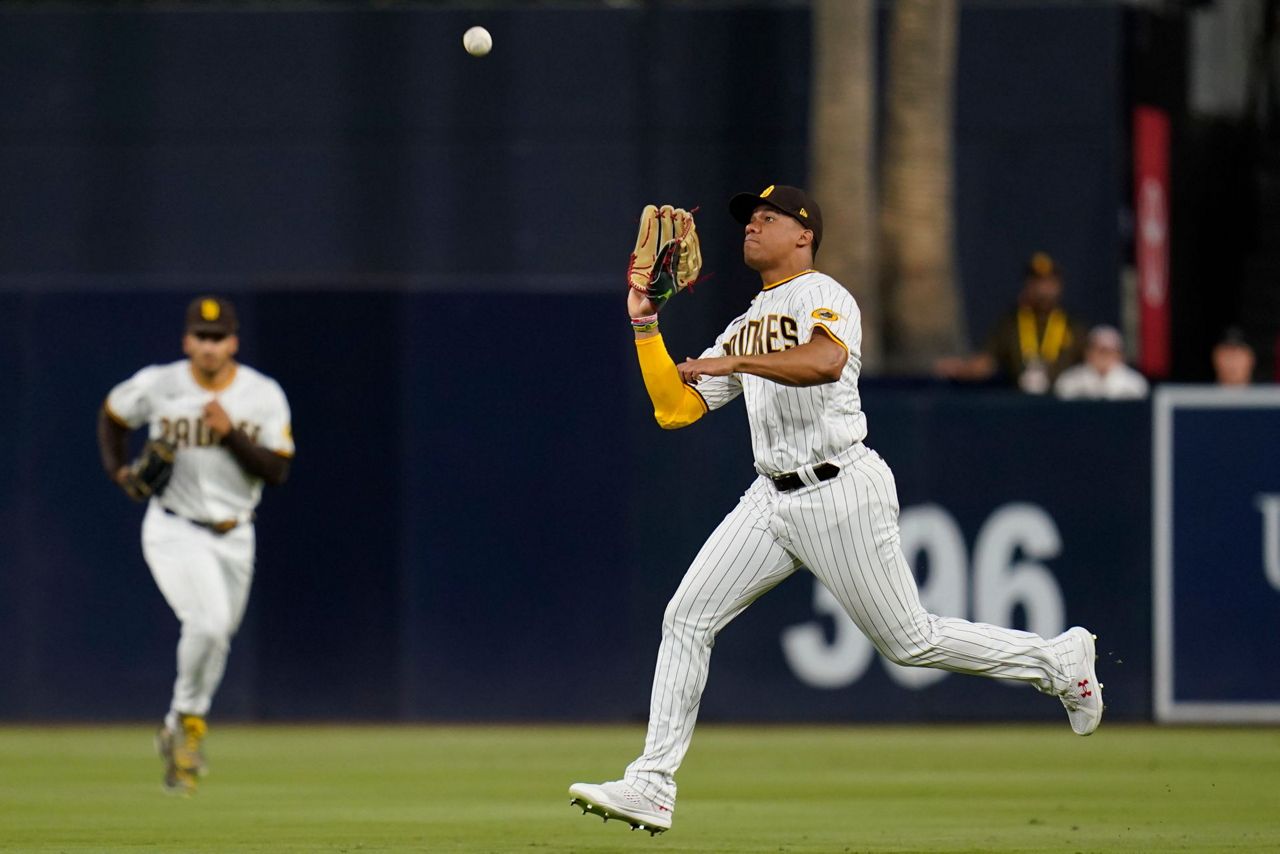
(842, 137)
(923, 311)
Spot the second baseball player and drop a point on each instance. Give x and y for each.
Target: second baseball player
(231, 427)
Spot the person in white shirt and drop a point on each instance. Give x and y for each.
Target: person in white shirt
(1103, 375)
(231, 428)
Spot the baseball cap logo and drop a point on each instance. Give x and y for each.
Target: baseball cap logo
(764, 194)
(209, 309)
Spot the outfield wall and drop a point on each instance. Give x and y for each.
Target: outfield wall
(476, 529)
(425, 249)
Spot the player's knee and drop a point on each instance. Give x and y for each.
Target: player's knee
(908, 650)
(214, 632)
(683, 621)
(903, 657)
(908, 654)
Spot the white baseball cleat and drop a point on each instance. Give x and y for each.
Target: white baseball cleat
(1083, 698)
(618, 800)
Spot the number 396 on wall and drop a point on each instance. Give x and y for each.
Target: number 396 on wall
(1008, 574)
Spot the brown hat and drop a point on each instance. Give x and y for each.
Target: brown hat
(792, 201)
(212, 314)
(1041, 266)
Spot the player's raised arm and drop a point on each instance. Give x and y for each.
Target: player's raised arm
(666, 259)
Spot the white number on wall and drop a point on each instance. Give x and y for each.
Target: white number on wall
(1008, 575)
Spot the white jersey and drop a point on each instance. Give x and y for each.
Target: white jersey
(207, 484)
(1083, 382)
(794, 427)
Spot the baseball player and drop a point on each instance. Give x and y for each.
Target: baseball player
(822, 500)
(229, 430)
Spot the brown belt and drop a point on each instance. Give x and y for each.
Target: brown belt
(218, 528)
(791, 480)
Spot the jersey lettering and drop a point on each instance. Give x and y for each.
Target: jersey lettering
(771, 334)
(251, 430)
(790, 332)
(193, 432)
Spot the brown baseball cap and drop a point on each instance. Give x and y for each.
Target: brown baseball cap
(1041, 266)
(212, 314)
(792, 201)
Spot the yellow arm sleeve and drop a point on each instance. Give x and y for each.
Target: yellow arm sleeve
(675, 403)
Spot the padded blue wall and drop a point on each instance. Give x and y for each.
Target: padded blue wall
(427, 252)
(487, 526)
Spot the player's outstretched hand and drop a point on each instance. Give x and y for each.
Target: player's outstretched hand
(639, 305)
(667, 257)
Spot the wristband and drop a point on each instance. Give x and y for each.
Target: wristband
(648, 323)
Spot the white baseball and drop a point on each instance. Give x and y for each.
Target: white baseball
(477, 41)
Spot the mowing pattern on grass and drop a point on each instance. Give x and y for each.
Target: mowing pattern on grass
(743, 789)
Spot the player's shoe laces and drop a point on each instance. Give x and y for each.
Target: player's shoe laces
(1083, 697)
(618, 800)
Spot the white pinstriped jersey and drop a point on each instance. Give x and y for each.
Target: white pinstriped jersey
(207, 484)
(794, 427)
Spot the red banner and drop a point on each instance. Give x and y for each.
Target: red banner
(1151, 208)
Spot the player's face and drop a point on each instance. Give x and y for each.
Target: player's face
(210, 353)
(770, 237)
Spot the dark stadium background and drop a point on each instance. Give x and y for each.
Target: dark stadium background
(483, 522)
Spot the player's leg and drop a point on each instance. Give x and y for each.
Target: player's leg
(846, 532)
(740, 561)
(185, 566)
(235, 554)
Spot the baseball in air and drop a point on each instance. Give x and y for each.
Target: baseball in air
(477, 41)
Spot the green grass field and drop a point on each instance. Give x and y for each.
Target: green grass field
(743, 789)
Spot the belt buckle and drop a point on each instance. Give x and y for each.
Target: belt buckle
(787, 481)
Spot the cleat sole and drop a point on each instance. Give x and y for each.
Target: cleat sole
(588, 807)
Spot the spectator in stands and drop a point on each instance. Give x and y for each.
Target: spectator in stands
(1103, 375)
(1233, 359)
(1030, 345)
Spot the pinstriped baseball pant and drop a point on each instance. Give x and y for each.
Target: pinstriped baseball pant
(845, 531)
